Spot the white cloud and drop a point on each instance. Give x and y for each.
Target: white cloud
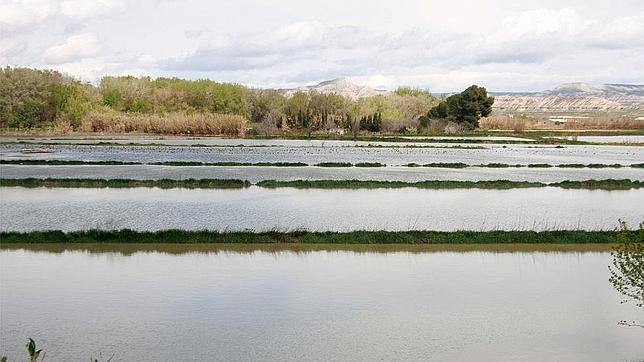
(286, 43)
(16, 15)
(75, 48)
(84, 9)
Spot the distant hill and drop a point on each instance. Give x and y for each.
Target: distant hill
(575, 98)
(341, 86)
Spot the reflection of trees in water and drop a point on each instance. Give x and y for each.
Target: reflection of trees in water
(627, 270)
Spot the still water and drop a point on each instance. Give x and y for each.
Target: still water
(511, 154)
(261, 209)
(184, 303)
(259, 173)
(216, 141)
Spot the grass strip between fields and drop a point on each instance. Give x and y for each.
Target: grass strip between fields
(27, 162)
(609, 184)
(306, 237)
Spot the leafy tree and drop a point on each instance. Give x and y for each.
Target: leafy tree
(627, 270)
(465, 108)
(439, 111)
(371, 123)
(296, 106)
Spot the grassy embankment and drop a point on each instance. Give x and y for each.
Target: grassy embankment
(305, 237)
(317, 184)
(302, 164)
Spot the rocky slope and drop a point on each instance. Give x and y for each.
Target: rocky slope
(341, 86)
(576, 98)
(573, 98)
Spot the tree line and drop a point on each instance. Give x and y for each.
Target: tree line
(31, 98)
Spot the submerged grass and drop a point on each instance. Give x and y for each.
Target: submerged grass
(127, 183)
(306, 237)
(265, 164)
(359, 184)
(370, 164)
(446, 165)
(439, 184)
(66, 162)
(334, 164)
(609, 184)
(302, 164)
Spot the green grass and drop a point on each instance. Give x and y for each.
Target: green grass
(601, 165)
(446, 165)
(126, 183)
(496, 184)
(265, 164)
(498, 165)
(65, 162)
(334, 164)
(370, 164)
(302, 164)
(305, 237)
(318, 184)
(600, 184)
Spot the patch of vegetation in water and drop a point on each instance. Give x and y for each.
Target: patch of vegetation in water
(65, 162)
(361, 184)
(446, 165)
(609, 184)
(126, 183)
(497, 165)
(334, 164)
(601, 165)
(302, 164)
(265, 164)
(369, 164)
(571, 165)
(307, 237)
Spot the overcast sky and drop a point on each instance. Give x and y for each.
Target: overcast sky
(445, 45)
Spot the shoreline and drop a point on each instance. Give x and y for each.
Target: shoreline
(127, 236)
(607, 184)
(331, 164)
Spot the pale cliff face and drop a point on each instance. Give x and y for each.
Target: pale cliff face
(576, 97)
(341, 86)
(568, 97)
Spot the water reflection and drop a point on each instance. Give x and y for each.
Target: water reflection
(261, 209)
(267, 302)
(133, 248)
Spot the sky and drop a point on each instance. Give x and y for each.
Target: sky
(443, 46)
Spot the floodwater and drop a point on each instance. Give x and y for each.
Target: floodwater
(261, 209)
(185, 303)
(216, 141)
(511, 154)
(606, 139)
(259, 173)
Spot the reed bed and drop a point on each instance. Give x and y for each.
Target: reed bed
(170, 123)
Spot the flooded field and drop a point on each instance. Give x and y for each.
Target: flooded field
(285, 209)
(607, 139)
(215, 141)
(259, 173)
(267, 303)
(511, 154)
